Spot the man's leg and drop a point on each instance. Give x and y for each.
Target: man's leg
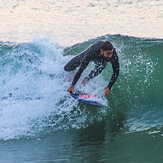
(75, 62)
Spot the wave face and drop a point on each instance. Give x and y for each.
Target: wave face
(33, 96)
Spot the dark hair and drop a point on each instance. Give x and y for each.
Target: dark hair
(106, 46)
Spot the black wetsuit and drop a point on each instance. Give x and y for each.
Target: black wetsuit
(93, 54)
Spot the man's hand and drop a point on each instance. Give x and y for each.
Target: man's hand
(107, 91)
(71, 88)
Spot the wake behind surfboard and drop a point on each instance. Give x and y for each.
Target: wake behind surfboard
(87, 99)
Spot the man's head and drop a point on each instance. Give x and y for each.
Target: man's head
(107, 49)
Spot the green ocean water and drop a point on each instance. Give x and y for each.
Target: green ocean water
(40, 122)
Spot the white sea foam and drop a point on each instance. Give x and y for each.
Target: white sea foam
(33, 95)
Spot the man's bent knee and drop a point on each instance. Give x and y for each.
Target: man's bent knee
(66, 68)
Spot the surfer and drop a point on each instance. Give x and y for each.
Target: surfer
(100, 53)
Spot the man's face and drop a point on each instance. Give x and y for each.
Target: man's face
(107, 53)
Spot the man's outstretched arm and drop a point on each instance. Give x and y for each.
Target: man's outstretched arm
(115, 66)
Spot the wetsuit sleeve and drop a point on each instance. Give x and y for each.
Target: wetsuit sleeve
(91, 51)
(98, 69)
(83, 65)
(115, 66)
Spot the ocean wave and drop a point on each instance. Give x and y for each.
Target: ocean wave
(33, 96)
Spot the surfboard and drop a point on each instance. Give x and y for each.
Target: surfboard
(87, 99)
